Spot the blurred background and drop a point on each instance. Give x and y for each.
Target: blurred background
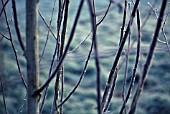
(155, 98)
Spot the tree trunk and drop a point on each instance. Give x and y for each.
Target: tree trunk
(32, 55)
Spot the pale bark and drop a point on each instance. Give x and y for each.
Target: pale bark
(32, 55)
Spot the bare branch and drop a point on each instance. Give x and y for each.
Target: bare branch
(22, 104)
(136, 64)
(13, 47)
(111, 91)
(98, 77)
(148, 60)
(16, 26)
(123, 23)
(165, 37)
(45, 93)
(4, 5)
(80, 43)
(147, 17)
(3, 36)
(81, 77)
(36, 92)
(110, 79)
(107, 10)
(47, 24)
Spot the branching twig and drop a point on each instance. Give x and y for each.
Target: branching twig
(45, 93)
(81, 77)
(4, 5)
(3, 36)
(165, 37)
(148, 60)
(98, 23)
(13, 47)
(147, 17)
(110, 79)
(36, 92)
(162, 29)
(47, 24)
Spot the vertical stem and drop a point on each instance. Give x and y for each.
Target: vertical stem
(32, 55)
(110, 78)
(94, 28)
(136, 64)
(123, 22)
(148, 60)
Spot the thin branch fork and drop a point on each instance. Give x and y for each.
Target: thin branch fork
(4, 5)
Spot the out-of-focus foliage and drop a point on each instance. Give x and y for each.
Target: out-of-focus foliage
(154, 99)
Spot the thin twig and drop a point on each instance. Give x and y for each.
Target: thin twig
(136, 64)
(126, 64)
(45, 92)
(98, 77)
(3, 36)
(47, 24)
(110, 79)
(4, 5)
(16, 26)
(3, 94)
(80, 43)
(162, 29)
(81, 77)
(107, 10)
(111, 91)
(22, 104)
(63, 35)
(48, 32)
(13, 47)
(165, 37)
(98, 23)
(149, 14)
(123, 23)
(36, 92)
(148, 60)
(61, 7)
(62, 89)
